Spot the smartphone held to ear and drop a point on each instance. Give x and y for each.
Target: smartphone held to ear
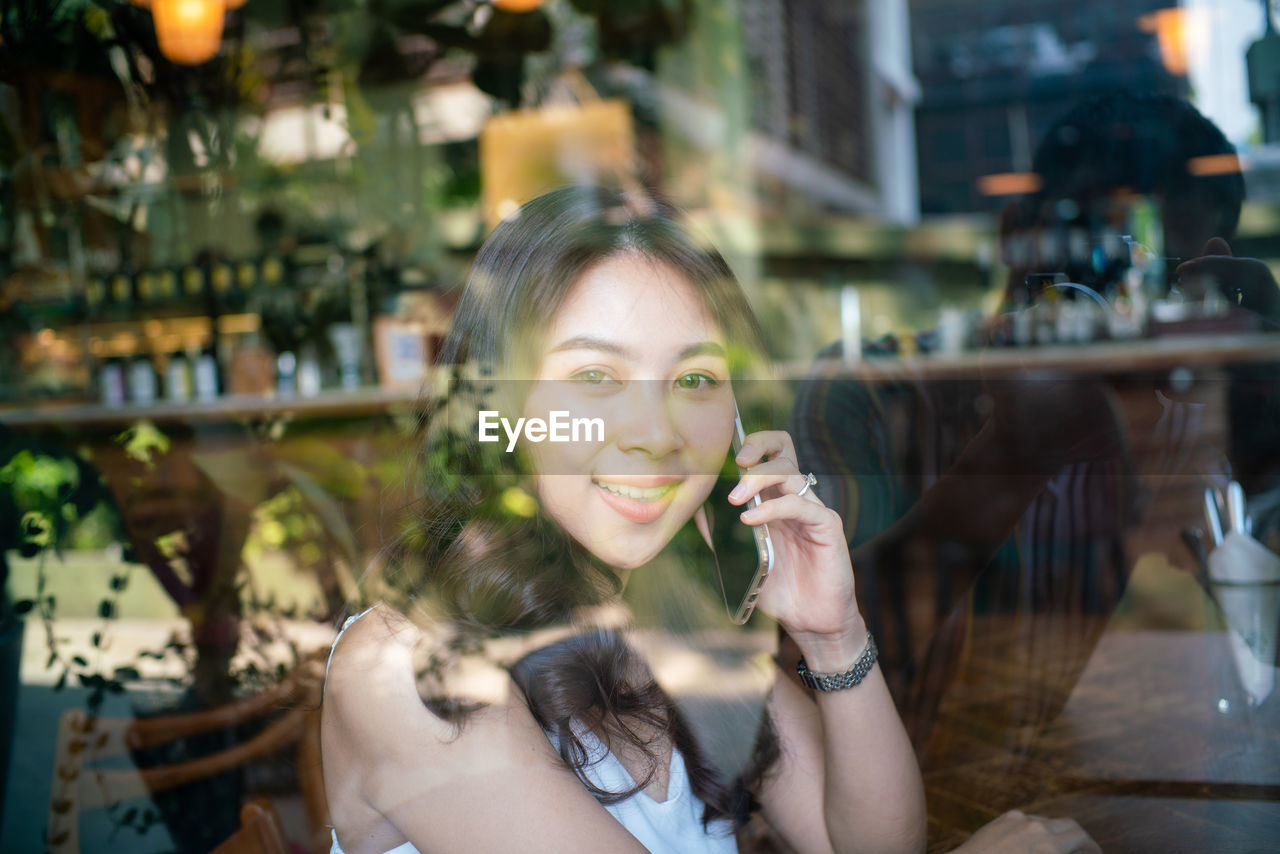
(743, 554)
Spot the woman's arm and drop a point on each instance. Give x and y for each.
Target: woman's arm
(847, 779)
(395, 772)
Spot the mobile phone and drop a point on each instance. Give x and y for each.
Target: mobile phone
(743, 554)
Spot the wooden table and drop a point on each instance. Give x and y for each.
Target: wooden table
(1140, 754)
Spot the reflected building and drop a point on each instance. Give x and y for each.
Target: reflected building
(831, 99)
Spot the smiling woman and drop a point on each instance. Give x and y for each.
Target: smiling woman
(599, 305)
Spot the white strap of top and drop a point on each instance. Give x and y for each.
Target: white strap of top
(346, 624)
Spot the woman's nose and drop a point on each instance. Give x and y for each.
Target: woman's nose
(647, 420)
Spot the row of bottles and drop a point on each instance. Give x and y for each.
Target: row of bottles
(133, 371)
(227, 285)
(137, 380)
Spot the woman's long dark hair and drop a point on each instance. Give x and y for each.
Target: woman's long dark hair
(478, 546)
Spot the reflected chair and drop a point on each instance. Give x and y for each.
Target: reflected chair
(260, 831)
(85, 740)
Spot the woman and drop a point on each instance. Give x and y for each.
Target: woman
(601, 307)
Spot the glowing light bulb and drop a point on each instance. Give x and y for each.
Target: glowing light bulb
(189, 31)
(517, 5)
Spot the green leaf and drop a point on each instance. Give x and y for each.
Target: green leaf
(81, 660)
(37, 528)
(128, 674)
(23, 606)
(106, 610)
(143, 441)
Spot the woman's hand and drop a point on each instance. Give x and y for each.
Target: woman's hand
(1018, 833)
(810, 589)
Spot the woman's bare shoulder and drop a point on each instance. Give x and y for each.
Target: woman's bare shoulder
(374, 707)
(401, 771)
(371, 676)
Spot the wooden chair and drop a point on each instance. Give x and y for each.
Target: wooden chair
(260, 831)
(84, 740)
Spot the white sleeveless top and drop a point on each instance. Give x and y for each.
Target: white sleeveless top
(671, 827)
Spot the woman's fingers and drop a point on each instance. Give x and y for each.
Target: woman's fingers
(791, 506)
(779, 472)
(773, 444)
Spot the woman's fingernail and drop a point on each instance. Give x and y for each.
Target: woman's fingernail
(737, 493)
(747, 515)
(746, 452)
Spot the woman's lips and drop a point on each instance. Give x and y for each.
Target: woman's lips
(636, 502)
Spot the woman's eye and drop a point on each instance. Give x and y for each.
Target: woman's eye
(694, 382)
(592, 377)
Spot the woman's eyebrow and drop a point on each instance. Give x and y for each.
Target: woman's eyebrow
(587, 342)
(604, 345)
(703, 348)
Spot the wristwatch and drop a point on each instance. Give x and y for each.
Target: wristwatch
(839, 681)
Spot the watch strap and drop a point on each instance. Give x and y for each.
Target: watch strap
(827, 682)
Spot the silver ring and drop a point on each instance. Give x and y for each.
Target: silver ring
(809, 480)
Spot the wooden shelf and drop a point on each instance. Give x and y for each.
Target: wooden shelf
(358, 403)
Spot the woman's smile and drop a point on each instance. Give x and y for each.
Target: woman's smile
(641, 500)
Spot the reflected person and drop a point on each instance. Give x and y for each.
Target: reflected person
(1015, 495)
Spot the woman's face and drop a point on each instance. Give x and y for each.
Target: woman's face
(634, 346)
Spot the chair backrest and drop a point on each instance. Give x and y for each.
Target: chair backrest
(260, 831)
(84, 740)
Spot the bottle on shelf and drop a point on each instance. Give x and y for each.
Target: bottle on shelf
(205, 374)
(251, 368)
(193, 284)
(142, 379)
(222, 284)
(287, 374)
(111, 382)
(272, 272)
(177, 377)
(95, 296)
(345, 338)
(166, 287)
(309, 372)
(145, 288)
(120, 302)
